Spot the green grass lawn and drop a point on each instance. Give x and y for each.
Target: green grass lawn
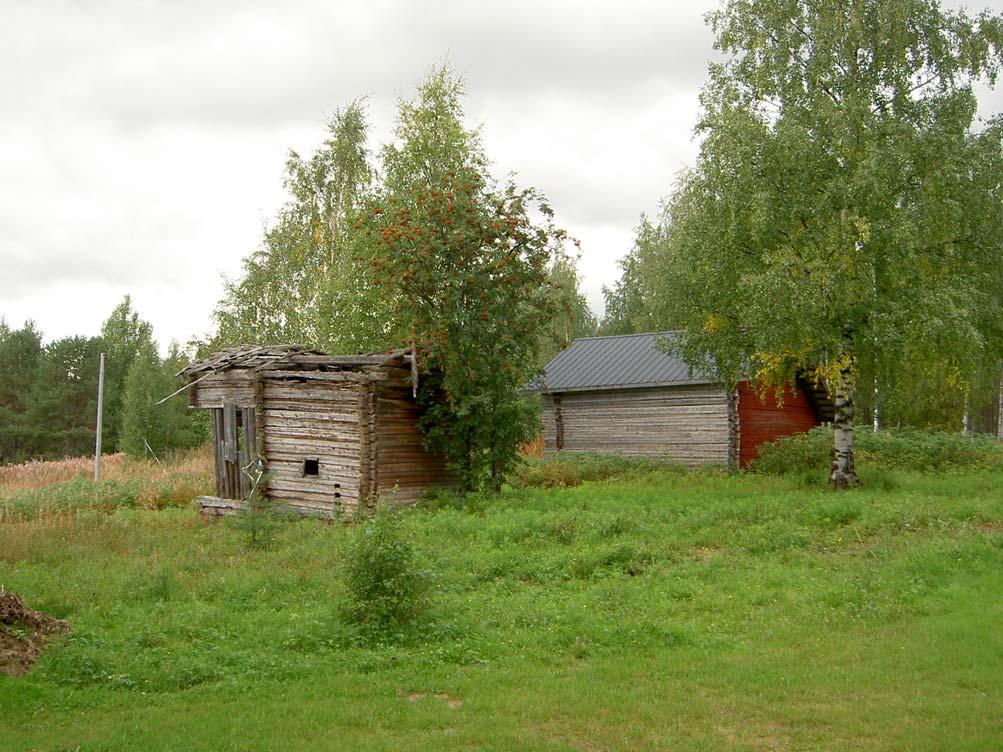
(668, 611)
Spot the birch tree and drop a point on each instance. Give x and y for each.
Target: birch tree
(843, 204)
(278, 297)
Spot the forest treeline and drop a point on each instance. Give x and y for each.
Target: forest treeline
(843, 223)
(48, 392)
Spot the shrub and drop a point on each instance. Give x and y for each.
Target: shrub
(807, 455)
(385, 587)
(926, 451)
(572, 469)
(804, 455)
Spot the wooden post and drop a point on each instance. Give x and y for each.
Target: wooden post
(230, 455)
(558, 423)
(97, 440)
(259, 433)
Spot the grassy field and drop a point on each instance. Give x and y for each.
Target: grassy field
(661, 610)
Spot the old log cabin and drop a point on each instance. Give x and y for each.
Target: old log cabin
(327, 435)
(624, 395)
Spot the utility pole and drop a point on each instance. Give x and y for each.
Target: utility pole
(97, 442)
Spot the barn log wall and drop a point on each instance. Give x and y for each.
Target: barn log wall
(762, 420)
(685, 424)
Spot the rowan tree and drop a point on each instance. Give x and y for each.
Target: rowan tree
(464, 266)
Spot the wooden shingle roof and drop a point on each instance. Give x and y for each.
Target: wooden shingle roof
(289, 358)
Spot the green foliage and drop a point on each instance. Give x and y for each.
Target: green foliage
(123, 336)
(62, 401)
(844, 210)
(632, 304)
(467, 268)
(147, 425)
(385, 588)
(573, 318)
(48, 395)
(21, 355)
(567, 469)
(284, 293)
(431, 252)
(806, 455)
(258, 521)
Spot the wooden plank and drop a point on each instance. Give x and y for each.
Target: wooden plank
(318, 416)
(216, 420)
(335, 376)
(346, 459)
(216, 388)
(293, 432)
(306, 444)
(250, 447)
(231, 481)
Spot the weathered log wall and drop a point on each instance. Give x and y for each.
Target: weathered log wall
(227, 386)
(360, 426)
(313, 420)
(686, 424)
(405, 470)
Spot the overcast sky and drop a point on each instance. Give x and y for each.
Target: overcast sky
(142, 144)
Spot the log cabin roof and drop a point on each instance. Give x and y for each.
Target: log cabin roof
(624, 361)
(290, 358)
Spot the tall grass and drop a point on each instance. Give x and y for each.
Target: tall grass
(675, 610)
(33, 489)
(36, 474)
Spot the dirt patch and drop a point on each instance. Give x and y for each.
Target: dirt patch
(451, 702)
(23, 632)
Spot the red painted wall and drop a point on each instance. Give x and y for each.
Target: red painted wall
(761, 421)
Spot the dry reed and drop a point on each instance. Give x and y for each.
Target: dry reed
(37, 474)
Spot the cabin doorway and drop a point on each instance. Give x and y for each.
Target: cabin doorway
(235, 440)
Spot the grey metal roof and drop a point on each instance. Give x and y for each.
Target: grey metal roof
(630, 360)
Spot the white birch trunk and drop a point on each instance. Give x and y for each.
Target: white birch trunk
(966, 420)
(842, 474)
(877, 412)
(999, 417)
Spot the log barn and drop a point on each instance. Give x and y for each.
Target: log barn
(624, 395)
(327, 435)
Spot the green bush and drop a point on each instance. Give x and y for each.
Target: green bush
(802, 455)
(926, 451)
(385, 587)
(564, 470)
(807, 455)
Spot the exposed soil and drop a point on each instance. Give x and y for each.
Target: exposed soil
(23, 632)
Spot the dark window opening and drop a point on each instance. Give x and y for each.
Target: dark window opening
(311, 467)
